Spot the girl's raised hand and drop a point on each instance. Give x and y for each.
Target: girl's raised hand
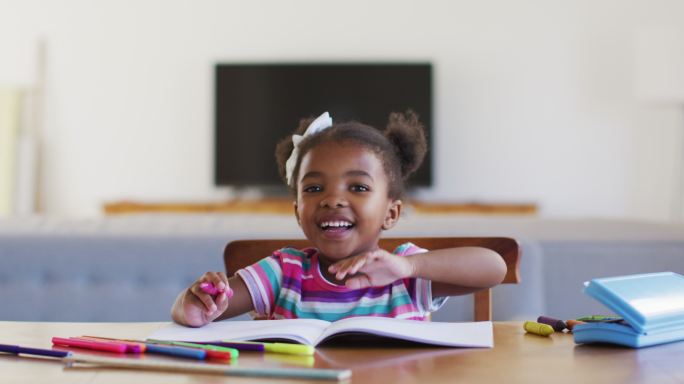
(201, 307)
(370, 269)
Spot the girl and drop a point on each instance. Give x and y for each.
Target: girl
(348, 181)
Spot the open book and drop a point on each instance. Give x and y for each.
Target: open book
(314, 332)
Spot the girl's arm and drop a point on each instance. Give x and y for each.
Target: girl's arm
(458, 271)
(453, 271)
(241, 302)
(195, 308)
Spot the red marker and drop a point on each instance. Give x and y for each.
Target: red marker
(131, 347)
(89, 344)
(209, 288)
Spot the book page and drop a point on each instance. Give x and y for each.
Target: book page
(468, 334)
(303, 331)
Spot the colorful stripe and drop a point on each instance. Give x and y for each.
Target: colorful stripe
(289, 284)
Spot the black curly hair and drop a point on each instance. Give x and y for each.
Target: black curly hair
(401, 146)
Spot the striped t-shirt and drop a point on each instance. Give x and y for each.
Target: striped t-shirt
(289, 285)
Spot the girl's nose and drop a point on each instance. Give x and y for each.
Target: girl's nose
(334, 200)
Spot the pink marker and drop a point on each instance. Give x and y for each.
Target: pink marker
(209, 288)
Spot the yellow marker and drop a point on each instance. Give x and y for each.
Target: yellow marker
(538, 328)
(292, 349)
(286, 348)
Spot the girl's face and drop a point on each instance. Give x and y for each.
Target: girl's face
(342, 203)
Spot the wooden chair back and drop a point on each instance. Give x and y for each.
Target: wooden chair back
(241, 253)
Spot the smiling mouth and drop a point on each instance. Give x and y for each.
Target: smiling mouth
(336, 226)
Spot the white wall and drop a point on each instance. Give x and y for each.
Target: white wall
(534, 98)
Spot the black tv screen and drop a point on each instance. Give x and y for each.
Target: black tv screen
(257, 105)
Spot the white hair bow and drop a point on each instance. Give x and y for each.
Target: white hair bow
(322, 122)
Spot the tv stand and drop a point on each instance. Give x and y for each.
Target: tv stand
(283, 205)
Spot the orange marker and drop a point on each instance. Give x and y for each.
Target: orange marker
(571, 324)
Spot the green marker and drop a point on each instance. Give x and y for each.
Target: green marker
(233, 352)
(598, 318)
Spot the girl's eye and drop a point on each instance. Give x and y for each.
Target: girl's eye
(312, 188)
(359, 188)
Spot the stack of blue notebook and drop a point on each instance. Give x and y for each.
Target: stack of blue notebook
(651, 305)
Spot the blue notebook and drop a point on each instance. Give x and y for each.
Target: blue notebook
(651, 305)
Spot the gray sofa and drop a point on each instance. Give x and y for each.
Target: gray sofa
(130, 268)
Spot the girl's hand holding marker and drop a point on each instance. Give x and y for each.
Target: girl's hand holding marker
(206, 299)
(219, 293)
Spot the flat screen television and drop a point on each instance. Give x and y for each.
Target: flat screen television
(257, 105)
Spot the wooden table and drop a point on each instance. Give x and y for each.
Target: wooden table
(516, 358)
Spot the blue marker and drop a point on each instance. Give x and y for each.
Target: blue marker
(15, 349)
(190, 353)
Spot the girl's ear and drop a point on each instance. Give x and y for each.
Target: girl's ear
(393, 214)
(294, 204)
